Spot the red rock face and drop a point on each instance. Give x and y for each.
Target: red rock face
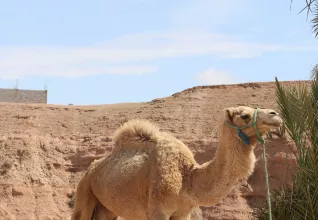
(45, 149)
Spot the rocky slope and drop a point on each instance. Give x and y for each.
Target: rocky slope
(44, 149)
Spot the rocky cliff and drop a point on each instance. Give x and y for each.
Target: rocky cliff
(45, 149)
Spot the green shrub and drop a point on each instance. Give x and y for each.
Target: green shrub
(299, 109)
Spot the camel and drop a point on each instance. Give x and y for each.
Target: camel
(151, 175)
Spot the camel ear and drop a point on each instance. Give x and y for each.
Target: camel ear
(229, 112)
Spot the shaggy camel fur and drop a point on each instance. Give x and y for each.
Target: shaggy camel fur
(152, 175)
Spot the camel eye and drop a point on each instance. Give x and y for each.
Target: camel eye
(245, 117)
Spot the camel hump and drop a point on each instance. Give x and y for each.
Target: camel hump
(135, 132)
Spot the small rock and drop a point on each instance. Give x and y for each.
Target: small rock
(70, 193)
(17, 191)
(106, 139)
(57, 165)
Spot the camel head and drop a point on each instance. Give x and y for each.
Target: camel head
(243, 118)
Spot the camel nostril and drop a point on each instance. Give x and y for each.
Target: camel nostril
(272, 113)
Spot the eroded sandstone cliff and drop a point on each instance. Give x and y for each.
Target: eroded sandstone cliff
(44, 149)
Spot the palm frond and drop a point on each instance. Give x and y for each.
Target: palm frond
(311, 7)
(314, 21)
(299, 109)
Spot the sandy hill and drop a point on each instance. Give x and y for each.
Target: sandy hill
(44, 149)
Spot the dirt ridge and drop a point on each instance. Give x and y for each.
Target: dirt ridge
(45, 149)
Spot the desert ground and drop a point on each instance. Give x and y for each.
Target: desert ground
(45, 149)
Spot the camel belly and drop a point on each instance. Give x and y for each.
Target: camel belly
(120, 182)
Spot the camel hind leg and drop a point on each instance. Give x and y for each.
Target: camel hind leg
(102, 213)
(85, 200)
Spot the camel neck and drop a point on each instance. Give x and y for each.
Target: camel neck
(213, 180)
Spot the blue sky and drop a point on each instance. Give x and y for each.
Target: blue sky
(102, 51)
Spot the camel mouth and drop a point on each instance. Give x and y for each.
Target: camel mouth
(276, 124)
(273, 122)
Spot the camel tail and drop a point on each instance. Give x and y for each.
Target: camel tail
(85, 200)
(135, 133)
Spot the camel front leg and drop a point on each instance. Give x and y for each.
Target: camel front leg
(156, 214)
(159, 209)
(102, 213)
(163, 197)
(185, 217)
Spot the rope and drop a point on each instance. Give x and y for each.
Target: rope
(268, 197)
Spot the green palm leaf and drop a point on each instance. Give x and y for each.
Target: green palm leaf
(311, 7)
(315, 20)
(299, 109)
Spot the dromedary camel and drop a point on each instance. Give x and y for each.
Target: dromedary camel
(152, 175)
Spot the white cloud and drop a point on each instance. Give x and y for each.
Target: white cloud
(158, 45)
(72, 71)
(130, 54)
(215, 77)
